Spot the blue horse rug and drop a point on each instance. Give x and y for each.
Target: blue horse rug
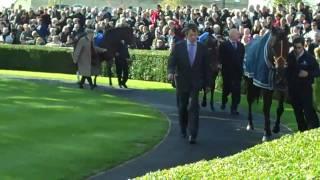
(203, 37)
(98, 39)
(256, 63)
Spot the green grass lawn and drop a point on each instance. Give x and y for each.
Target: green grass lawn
(56, 132)
(290, 157)
(287, 118)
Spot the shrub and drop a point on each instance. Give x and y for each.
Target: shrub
(149, 65)
(36, 58)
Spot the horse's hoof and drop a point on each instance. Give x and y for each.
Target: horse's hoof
(249, 127)
(266, 138)
(204, 103)
(276, 129)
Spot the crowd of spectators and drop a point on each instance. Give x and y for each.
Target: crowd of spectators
(155, 28)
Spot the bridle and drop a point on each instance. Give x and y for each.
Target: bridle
(281, 57)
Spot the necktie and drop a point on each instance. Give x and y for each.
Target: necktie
(191, 53)
(234, 44)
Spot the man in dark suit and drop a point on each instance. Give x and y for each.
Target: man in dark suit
(301, 71)
(231, 56)
(121, 60)
(189, 66)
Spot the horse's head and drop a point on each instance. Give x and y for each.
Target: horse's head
(113, 39)
(278, 54)
(209, 41)
(116, 35)
(212, 44)
(278, 48)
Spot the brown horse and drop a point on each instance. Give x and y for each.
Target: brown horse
(278, 49)
(213, 48)
(111, 42)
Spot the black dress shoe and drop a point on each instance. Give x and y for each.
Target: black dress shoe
(204, 103)
(192, 140)
(124, 85)
(234, 112)
(184, 135)
(212, 108)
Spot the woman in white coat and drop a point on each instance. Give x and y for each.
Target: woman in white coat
(83, 54)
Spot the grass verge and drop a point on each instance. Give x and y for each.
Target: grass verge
(290, 157)
(56, 132)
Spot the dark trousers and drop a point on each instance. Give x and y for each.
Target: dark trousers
(188, 107)
(302, 103)
(231, 85)
(83, 78)
(122, 70)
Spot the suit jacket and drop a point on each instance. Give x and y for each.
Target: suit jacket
(306, 62)
(189, 77)
(231, 59)
(311, 48)
(123, 52)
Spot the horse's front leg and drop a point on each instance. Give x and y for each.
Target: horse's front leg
(250, 99)
(95, 81)
(280, 109)
(109, 72)
(212, 92)
(204, 98)
(267, 101)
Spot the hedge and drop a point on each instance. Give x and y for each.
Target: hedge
(146, 65)
(149, 65)
(36, 58)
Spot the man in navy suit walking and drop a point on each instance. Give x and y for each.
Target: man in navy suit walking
(189, 66)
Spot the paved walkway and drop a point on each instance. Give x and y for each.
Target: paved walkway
(220, 135)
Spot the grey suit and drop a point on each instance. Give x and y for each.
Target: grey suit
(190, 79)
